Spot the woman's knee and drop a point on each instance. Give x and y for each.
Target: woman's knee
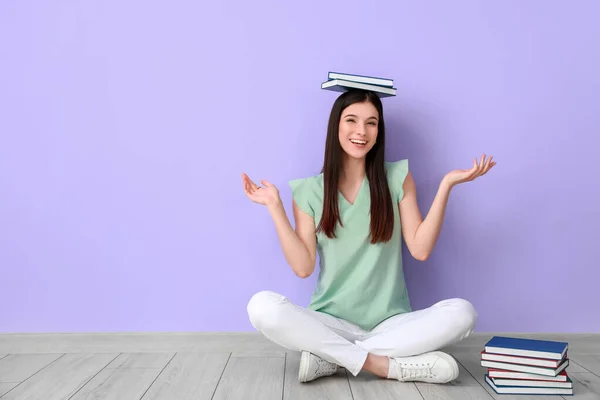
(465, 314)
(264, 309)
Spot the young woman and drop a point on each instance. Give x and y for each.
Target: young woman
(359, 316)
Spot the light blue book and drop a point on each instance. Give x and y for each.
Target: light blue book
(341, 85)
(371, 80)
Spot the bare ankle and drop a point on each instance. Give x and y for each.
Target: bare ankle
(378, 365)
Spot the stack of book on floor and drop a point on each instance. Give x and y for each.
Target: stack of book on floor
(341, 82)
(526, 366)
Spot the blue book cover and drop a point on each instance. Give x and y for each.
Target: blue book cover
(340, 85)
(531, 347)
(374, 80)
(531, 390)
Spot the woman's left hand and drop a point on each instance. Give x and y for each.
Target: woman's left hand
(466, 175)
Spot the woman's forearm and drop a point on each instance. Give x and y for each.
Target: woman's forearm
(429, 230)
(296, 253)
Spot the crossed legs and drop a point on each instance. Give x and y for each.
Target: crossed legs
(345, 344)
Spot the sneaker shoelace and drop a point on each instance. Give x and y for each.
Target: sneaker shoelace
(325, 367)
(413, 371)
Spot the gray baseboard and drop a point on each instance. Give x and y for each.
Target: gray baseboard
(32, 343)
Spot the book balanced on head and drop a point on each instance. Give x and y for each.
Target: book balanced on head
(341, 82)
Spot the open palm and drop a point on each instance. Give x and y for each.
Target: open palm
(465, 175)
(266, 195)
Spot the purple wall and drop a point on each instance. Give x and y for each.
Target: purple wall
(126, 126)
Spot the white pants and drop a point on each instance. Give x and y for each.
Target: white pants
(345, 344)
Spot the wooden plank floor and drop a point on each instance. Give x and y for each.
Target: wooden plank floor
(233, 366)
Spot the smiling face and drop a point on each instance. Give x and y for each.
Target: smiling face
(358, 129)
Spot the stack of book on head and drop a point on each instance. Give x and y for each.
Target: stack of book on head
(340, 82)
(526, 366)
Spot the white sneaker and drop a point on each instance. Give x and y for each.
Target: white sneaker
(313, 367)
(432, 367)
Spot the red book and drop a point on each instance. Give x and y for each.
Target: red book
(502, 373)
(531, 369)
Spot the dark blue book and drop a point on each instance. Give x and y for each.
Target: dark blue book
(532, 390)
(527, 347)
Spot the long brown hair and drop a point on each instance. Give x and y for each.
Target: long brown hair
(382, 212)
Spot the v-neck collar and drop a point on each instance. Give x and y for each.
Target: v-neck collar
(358, 194)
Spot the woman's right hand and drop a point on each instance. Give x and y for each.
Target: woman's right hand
(266, 195)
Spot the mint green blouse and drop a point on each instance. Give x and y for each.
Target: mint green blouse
(360, 282)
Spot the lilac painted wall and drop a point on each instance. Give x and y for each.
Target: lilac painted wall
(125, 128)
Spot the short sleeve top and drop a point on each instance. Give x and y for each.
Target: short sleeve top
(360, 282)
